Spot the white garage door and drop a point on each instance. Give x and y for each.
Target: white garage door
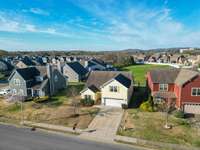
(113, 102)
(192, 108)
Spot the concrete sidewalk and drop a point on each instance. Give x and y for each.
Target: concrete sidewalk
(52, 127)
(105, 125)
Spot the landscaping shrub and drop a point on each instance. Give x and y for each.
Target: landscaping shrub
(87, 102)
(179, 114)
(41, 99)
(147, 105)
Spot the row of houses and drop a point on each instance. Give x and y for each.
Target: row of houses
(109, 87)
(180, 86)
(182, 59)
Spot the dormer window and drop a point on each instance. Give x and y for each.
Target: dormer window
(163, 87)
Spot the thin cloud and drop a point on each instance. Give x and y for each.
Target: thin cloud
(39, 11)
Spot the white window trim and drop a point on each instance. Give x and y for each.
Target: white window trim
(197, 88)
(112, 87)
(163, 86)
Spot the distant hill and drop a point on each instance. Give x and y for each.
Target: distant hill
(3, 52)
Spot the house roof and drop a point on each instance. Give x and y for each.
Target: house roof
(123, 80)
(93, 88)
(178, 76)
(28, 61)
(185, 75)
(98, 78)
(28, 73)
(78, 68)
(164, 75)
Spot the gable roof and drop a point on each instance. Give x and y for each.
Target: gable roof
(98, 78)
(123, 80)
(28, 73)
(177, 76)
(185, 75)
(78, 68)
(27, 61)
(164, 76)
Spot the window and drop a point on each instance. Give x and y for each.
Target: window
(17, 82)
(163, 87)
(113, 89)
(88, 97)
(195, 91)
(56, 78)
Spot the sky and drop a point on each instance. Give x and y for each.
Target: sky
(98, 24)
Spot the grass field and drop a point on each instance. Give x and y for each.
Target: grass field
(149, 126)
(140, 71)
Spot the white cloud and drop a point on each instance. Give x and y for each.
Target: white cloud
(39, 11)
(137, 26)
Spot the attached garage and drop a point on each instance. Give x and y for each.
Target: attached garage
(192, 108)
(113, 102)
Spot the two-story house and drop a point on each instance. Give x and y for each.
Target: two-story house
(180, 85)
(74, 71)
(112, 88)
(36, 81)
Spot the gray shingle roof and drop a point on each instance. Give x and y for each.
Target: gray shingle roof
(178, 76)
(98, 78)
(185, 75)
(164, 75)
(78, 68)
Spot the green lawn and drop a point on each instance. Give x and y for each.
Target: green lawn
(140, 71)
(149, 126)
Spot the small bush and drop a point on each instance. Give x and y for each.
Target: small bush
(41, 99)
(87, 102)
(179, 114)
(146, 106)
(14, 107)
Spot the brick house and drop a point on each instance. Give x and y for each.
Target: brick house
(180, 85)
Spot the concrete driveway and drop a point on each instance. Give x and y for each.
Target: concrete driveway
(105, 125)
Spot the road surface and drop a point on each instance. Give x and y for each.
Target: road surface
(13, 138)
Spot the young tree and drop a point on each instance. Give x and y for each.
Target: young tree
(167, 106)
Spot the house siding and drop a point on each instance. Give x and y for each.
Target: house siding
(186, 96)
(121, 94)
(22, 85)
(71, 74)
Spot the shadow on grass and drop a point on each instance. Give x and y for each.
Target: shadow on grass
(140, 94)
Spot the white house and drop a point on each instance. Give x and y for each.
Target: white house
(112, 88)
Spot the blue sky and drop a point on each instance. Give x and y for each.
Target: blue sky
(98, 24)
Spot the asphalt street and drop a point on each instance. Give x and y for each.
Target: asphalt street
(14, 138)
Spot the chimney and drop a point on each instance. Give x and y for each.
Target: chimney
(59, 66)
(86, 63)
(50, 77)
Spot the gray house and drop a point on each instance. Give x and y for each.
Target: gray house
(36, 81)
(75, 72)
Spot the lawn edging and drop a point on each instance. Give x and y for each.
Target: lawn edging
(151, 144)
(51, 127)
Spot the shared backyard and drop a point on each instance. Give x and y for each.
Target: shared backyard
(140, 71)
